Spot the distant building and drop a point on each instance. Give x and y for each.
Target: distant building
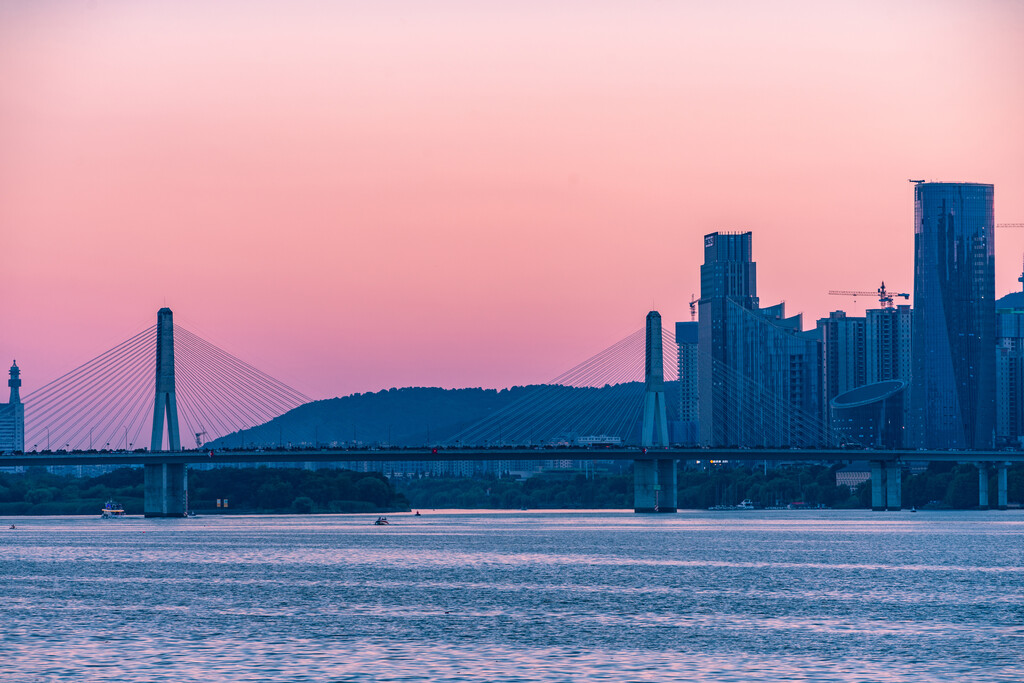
(853, 475)
(689, 406)
(1010, 370)
(871, 416)
(888, 337)
(953, 365)
(759, 373)
(843, 365)
(12, 416)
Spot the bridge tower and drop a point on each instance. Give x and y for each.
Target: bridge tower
(166, 484)
(166, 400)
(654, 479)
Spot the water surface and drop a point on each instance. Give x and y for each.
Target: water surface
(524, 596)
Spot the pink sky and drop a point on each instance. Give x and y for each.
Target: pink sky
(358, 195)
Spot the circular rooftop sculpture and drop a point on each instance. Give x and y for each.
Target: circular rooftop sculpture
(869, 393)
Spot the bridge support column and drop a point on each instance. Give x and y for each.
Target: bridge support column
(1001, 485)
(878, 486)
(645, 485)
(165, 488)
(893, 486)
(983, 485)
(668, 482)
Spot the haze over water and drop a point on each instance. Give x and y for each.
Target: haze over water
(547, 596)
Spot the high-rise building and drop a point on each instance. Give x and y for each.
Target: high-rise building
(953, 360)
(689, 415)
(842, 354)
(12, 416)
(888, 339)
(759, 373)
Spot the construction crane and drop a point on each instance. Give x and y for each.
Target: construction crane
(199, 438)
(1010, 225)
(693, 307)
(885, 297)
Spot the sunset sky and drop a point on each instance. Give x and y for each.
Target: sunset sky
(359, 195)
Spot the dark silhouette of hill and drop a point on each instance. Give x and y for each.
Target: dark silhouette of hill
(415, 416)
(402, 417)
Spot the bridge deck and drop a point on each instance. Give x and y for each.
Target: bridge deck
(75, 458)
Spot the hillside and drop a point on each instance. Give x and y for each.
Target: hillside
(414, 416)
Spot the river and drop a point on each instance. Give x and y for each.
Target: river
(516, 596)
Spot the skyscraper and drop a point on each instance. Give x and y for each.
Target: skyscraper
(842, 359)
(12, 416)
(686, 342)
(759, 373)
(888, 333)
(953, 346)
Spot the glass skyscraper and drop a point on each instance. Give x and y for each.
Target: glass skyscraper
(953, 346)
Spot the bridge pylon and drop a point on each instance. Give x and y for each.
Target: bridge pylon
(654, 479)
(166, 484)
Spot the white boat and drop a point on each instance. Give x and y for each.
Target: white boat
(746, 504)
(111, 510)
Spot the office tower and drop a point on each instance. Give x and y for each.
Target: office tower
(689, 417)
(759, 374)
(953, 359)
(12, 416)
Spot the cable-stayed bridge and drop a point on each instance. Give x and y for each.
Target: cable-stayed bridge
(99, 413)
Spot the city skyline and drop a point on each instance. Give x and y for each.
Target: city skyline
(358, 198)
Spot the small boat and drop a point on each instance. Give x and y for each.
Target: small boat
(381, 521)
(913, 509)
(746, 504)
(111, 510)
(417, 514)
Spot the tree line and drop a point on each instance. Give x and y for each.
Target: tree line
(292, 490)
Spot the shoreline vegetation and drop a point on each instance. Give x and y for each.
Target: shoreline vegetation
(271, 490)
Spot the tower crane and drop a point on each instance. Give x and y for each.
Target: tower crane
(693, 307)
(1010, 225)
(885, 297)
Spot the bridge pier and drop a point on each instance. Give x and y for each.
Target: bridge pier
(654, 485)
(165, 489)
(983, 485)
(878, 486)
(1001, 478)
(667, 480)
(886, 486)
(893, 486)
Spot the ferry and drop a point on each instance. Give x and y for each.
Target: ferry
(111, 510)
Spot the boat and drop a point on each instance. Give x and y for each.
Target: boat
(746, 504)
(381, 521)
(111, 510)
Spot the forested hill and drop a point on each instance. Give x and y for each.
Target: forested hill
(415, 416)
(401, 417)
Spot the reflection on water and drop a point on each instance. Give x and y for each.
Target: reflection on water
(516, 596)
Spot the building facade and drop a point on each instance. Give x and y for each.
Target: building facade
(843, 347)
(12, 416)
(759, 373)
(687, 338)
(952, 399)
(871, 415)
(888, 337)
